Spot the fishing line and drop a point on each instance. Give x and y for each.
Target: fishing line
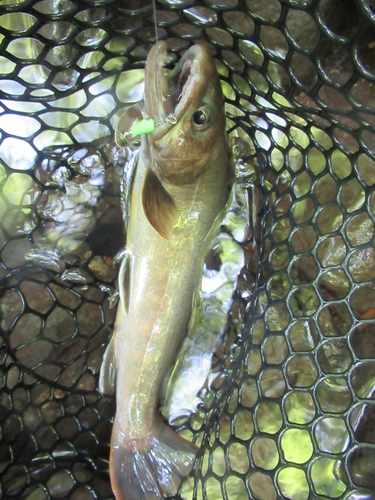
(155, 21)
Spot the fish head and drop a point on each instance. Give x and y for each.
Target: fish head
(187, 105)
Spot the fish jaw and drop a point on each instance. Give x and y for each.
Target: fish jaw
(157, 83)
(181, 148)
(173, 93)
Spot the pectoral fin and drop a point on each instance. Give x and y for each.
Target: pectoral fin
(159, 207)
(107, 376)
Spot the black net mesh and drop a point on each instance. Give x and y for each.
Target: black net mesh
(291, 413)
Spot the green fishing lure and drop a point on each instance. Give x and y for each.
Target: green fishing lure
(144, 126)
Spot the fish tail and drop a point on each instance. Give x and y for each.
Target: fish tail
(149, 468)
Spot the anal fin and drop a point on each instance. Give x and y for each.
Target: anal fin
(159, 207)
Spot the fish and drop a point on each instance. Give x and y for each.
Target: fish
(179, 190)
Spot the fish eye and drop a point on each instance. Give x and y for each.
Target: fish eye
(201, 117)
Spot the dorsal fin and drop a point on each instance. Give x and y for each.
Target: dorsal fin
(159, 207)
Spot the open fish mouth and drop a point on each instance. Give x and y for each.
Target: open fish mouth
(171, 95)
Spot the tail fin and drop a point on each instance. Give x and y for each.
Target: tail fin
(149, 468)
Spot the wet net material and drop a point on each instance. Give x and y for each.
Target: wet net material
(291, 412)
